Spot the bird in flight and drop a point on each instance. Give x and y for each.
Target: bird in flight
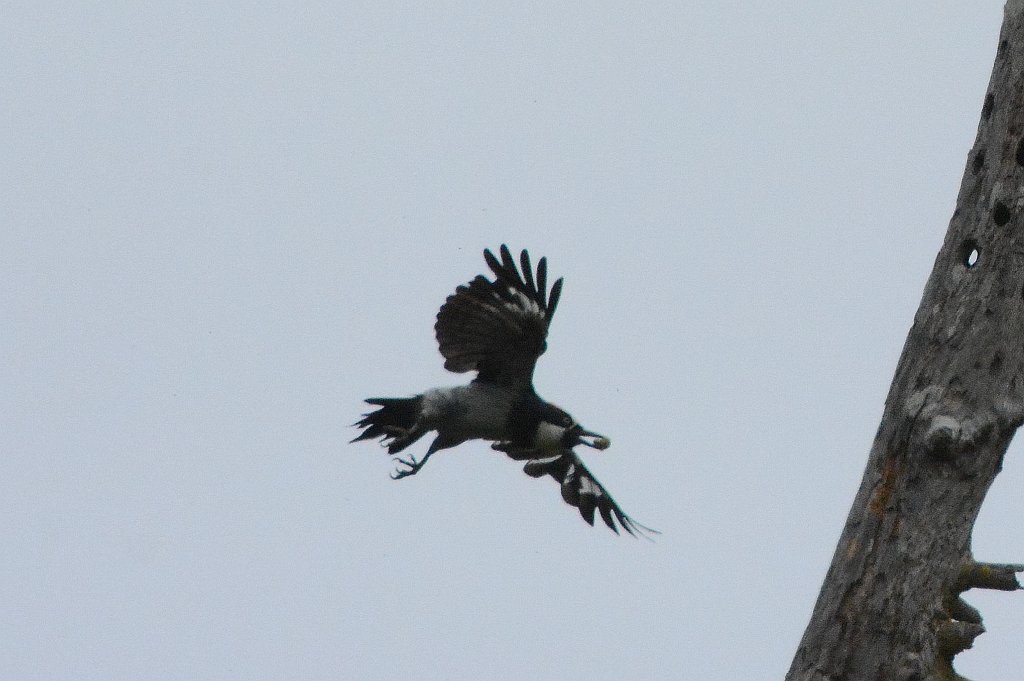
(498, 329)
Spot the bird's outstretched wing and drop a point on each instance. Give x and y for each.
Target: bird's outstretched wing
(579, 487)
(499, 328)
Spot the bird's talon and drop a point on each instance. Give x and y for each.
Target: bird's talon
(413, 467)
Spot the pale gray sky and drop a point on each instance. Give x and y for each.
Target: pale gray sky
(225, 225)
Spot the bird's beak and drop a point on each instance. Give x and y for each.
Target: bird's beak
(592, 439)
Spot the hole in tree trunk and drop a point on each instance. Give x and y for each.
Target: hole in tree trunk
(969, 253)
(1000, 214)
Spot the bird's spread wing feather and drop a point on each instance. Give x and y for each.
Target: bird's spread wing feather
(579, 487)
(499, 328)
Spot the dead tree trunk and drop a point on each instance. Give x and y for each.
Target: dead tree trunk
(890, 607)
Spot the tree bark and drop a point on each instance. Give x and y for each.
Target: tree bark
(890, 606)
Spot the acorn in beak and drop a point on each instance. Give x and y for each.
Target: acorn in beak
(592, 439)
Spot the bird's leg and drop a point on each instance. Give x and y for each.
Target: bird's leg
(515, 452)
(402, 437)
(442, 441)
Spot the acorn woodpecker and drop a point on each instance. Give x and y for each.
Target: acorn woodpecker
(498, 329)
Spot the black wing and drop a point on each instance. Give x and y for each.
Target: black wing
(579, 488)
(499, 328)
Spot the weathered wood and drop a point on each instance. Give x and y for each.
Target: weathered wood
(890, 606)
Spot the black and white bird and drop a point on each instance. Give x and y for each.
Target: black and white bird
(498, 329)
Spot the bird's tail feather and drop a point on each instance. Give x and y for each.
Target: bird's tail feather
(394, 422)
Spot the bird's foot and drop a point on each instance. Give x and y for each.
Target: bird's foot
(515, 452)
(413, 467)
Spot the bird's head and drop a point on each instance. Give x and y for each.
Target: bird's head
(558, 430)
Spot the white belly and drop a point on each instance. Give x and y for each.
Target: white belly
(473, 411)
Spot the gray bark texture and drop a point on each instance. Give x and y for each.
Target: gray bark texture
(890, 606)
